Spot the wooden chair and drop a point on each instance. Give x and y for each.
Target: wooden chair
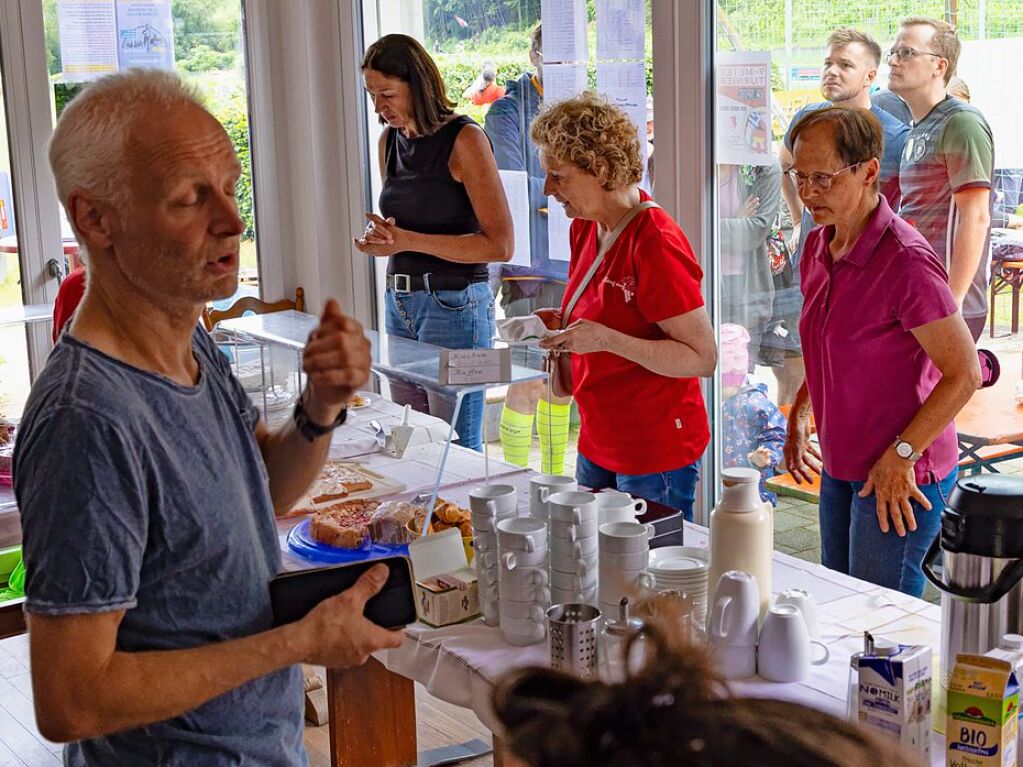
(211, 317)
(1006, 277)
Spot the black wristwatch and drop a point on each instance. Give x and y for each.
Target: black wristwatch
(309, 430)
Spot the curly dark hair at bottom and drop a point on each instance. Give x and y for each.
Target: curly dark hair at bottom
(675, 712)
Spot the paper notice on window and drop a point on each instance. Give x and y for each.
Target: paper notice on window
(624, 84)
(516, 190)
(559, 247)
(564, 33)
(563, 81)
(88, 38)
(621, 28)
(145, 34)
(475, 366)
(743, 108)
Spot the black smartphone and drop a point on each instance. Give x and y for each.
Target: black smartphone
(293, 594)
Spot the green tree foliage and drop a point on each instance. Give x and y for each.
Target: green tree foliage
(442, 17)
(206, 34)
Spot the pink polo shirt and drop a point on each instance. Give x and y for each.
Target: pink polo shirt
(865, 371)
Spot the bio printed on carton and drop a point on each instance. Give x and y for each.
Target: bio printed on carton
(895, 695)
(981, 724)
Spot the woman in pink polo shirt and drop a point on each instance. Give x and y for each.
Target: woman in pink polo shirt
(636, 326)
(889, 360)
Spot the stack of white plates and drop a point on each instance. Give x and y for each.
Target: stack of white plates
(684, 568)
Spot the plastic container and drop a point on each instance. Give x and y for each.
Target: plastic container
(742, 532)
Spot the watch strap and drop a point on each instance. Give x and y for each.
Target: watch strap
(309, 429)
(913, 454)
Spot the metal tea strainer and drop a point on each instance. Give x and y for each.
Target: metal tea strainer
(573, 638)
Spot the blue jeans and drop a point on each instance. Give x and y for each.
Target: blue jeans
(852, 541)
(676, 488)
(455, 319)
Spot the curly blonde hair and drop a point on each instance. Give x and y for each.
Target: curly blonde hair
(593, 135)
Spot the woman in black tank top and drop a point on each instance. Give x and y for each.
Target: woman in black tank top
(445, 217)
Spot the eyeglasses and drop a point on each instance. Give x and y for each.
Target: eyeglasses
(905, 53)
(820, 180)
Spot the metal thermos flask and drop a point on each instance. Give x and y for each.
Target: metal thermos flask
(981, 574)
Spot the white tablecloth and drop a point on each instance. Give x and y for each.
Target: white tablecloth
(459, 664)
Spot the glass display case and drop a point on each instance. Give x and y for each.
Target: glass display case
(280, 338)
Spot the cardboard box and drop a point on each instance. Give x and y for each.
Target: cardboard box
(895, 696)
(446, 588)
(982, 723)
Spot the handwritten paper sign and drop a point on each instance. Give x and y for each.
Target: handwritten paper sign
(475, 366)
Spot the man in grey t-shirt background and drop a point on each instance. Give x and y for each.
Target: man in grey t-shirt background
(947, 169)
(147, 482)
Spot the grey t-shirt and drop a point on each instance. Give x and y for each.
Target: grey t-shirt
(142, 495)
(949, 150)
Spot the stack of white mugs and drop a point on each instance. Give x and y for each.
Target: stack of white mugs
(522, 579)
(571, 516)
(554, 556)
(490, 505)
(624, 554)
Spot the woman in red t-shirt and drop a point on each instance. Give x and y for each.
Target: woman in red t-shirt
(638, 331)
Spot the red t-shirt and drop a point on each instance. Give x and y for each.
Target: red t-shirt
(69, 295)
(488, 95)
(635, 421)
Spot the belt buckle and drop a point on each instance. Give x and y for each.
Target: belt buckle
(403, 283)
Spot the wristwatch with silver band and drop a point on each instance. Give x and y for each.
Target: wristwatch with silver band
(905, 450)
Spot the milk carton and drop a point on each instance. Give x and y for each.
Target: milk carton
(895, 694)
(981, 726)
(1010, 648)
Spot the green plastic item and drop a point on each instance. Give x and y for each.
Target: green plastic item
(15, 584)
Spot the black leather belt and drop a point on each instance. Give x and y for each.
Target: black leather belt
(407, 283)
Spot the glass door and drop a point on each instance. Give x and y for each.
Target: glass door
(773, 61)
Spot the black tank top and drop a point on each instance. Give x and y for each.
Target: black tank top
(421, 195)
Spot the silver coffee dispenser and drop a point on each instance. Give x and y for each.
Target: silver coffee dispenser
(981, 543)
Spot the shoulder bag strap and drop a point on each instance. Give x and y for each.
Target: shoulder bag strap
(608, 244)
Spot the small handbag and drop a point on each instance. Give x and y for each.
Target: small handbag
(559, 364)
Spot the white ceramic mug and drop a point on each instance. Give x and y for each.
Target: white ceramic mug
(568, 596)
(523, 632)
(493, 500)
(575, 506)
(541, 487)
(526, 592)
(582, 547)
(785, 650)
(511, 560)
(573, 582)
(616, 506)
(484, 541)
(571, 531)
(485, 560)
(806, 603)
(533, 611)
(569, 563)
(536, 576)
(734, 661)
(735, 610)
(521, 534)
(615, 584)
(634, 560)
(625, 537)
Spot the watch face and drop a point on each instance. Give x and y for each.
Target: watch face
(904, 450)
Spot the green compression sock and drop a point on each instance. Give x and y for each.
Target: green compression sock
(516, 433)
(552, 428)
